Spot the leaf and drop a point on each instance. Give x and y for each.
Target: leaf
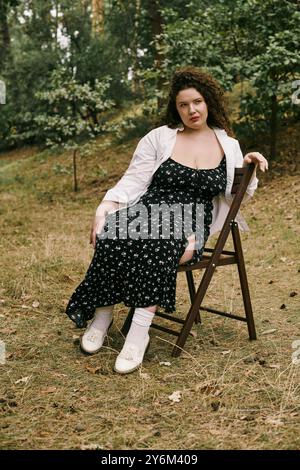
(165, 363)
(22, 380)
(91, 447)
(8, 331)
(175, 397)
(274, 421)
(133, 409)
(35, 304)
(144, 376)
(215, 405)
(228, 351)
(49, 390)
(44, 434)
(268, 332)
(92, 370)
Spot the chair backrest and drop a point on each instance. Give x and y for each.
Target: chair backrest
(242, 178)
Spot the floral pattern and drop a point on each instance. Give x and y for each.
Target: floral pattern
(141, 271)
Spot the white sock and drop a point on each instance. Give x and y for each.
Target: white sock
(103, 317)
(140, 325)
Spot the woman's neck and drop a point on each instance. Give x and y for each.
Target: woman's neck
(197, 132)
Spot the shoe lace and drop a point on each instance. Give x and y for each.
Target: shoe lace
(129, 352)
(92, 337)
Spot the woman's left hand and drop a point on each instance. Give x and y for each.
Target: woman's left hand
(257, 158)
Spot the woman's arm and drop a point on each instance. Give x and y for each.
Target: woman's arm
(133, 182)
(138, 174)
(256, 158)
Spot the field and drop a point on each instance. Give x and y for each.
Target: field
(232, 393)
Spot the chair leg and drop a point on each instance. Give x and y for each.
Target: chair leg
(192, 291)
(127, 322)
(243, 280)
(194, 309)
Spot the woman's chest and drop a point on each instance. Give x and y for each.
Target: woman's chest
(174, 178)
(203, 154)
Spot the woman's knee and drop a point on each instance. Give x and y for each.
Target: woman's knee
(189, 251)
(151, 309)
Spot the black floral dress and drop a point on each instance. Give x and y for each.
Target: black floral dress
(139, 248)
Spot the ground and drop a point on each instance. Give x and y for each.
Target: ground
(231, 393)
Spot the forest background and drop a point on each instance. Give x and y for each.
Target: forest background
(81, 81)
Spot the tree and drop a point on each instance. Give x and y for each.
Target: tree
(97, 16)
(250, 41)
(71, 110)
(4, 27)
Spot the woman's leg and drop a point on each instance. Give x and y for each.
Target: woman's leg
(103, 317)
(93, 338)
(137, 340)
(141, 321)
(151, 309)
(189, 251)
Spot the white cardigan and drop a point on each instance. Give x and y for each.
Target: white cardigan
(155, 148)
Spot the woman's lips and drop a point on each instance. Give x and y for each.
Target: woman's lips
(194, 118)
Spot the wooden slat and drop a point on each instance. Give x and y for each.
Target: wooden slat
(223, 261)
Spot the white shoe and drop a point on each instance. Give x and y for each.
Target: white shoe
(92, 340)
(131, 357)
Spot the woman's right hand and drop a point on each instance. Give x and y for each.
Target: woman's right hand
(97, 226)
(102, 210)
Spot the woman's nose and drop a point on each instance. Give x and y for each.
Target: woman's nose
(191, 108)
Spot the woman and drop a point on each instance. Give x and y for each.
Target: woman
(187, 163)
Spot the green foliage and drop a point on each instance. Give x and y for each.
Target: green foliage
(73, 110)
(130, 128)
(238, 41)
(55, 65)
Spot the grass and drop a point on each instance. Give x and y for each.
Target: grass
(234, 394)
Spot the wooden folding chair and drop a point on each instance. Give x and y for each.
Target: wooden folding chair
(214, 258)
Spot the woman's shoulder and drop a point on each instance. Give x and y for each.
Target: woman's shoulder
(162, 130)
(223, 133)
(158, 135)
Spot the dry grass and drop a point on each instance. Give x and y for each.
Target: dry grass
(235, 394)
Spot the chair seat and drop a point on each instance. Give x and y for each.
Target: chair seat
(223, 260)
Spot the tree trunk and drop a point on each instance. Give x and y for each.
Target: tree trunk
(4, 33)
(97, 17)
(135, 46)
(75, 170)
(156, 27)
(56, 24)
(273, 127)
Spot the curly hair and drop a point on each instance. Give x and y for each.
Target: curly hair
(210, 89)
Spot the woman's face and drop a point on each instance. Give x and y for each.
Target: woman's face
(192, 108)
